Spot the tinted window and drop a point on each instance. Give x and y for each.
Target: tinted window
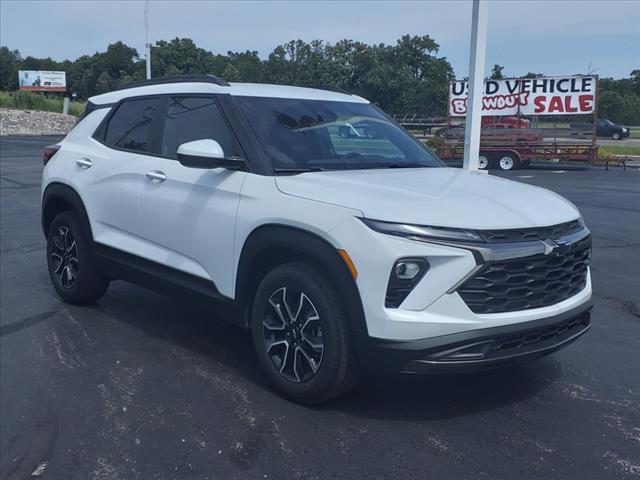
(196, 118)
(130, 125)
(298, 133)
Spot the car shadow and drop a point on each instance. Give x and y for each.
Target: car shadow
(197, 327)
(441, 396)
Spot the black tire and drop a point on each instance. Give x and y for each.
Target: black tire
(484, 161)
(69, 261)
(507, 161)
(307, 292)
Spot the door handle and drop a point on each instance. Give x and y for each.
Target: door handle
(156, 176)
(83, 163)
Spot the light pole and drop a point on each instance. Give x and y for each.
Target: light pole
(146, 31)
(476, 84)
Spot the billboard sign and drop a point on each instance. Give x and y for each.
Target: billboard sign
(42, 80)
(528, 96)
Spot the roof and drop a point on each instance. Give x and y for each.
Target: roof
(237, 89)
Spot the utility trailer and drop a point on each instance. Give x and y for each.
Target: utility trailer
(511, 156)
(525, 119)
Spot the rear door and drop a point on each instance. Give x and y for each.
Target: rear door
(109, 169)
(188, 214)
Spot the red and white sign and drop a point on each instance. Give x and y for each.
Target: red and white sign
(42, 80)
(528, 96)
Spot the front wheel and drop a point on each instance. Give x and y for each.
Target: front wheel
(616, 136)
(301, 335)
(508, 161)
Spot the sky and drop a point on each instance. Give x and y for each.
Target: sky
(550, 37)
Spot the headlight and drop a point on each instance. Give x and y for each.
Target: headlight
(423, 232)
(624, 130)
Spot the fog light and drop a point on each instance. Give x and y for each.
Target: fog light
(405, 274)
(407, 270)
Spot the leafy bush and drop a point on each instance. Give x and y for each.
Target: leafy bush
(37, 101)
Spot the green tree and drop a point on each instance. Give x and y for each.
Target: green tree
(9, 65)
(180, 56)
(635, 80)
(496, 72)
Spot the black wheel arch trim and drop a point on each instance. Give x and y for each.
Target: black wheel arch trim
(56, 191)
(306, 244)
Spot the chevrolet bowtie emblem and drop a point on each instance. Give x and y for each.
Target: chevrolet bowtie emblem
(555, 248)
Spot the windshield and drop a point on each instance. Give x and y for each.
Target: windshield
(322, 135)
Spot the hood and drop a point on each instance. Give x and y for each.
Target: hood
(443, 197)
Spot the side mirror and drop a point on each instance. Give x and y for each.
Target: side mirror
(207, 153)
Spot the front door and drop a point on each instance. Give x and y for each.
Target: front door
(188, 214)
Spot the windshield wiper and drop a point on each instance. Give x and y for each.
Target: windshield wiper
(298, 170)
(373, 166)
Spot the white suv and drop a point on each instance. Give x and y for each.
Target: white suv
(313, 220)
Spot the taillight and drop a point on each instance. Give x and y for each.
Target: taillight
(49, 152)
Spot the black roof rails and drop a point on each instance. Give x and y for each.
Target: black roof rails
(200, 78)
(330, 88)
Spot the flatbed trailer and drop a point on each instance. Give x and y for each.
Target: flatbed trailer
(510, 156)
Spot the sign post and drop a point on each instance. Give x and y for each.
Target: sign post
(476, 77)
(146, 34)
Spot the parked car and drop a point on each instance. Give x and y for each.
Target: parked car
(341, 257)
(605, 128)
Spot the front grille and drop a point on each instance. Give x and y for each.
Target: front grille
(529, 234)
(525, 283)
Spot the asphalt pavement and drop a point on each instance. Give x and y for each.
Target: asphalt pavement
(142, 386)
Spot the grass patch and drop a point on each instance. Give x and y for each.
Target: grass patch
(634, 132)
(37, 101)
(618, 150)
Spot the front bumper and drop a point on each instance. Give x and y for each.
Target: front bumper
(481, 348)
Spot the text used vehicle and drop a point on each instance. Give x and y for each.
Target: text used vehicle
(313, 220)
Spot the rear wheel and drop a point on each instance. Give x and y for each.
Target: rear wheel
(301, 336)
(483, 162)
(508, 161)
(71, 269)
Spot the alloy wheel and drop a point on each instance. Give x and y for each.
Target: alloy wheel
(293, 335)
(64, 253)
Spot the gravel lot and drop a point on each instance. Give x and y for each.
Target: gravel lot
(141, 386)
(33, 122)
